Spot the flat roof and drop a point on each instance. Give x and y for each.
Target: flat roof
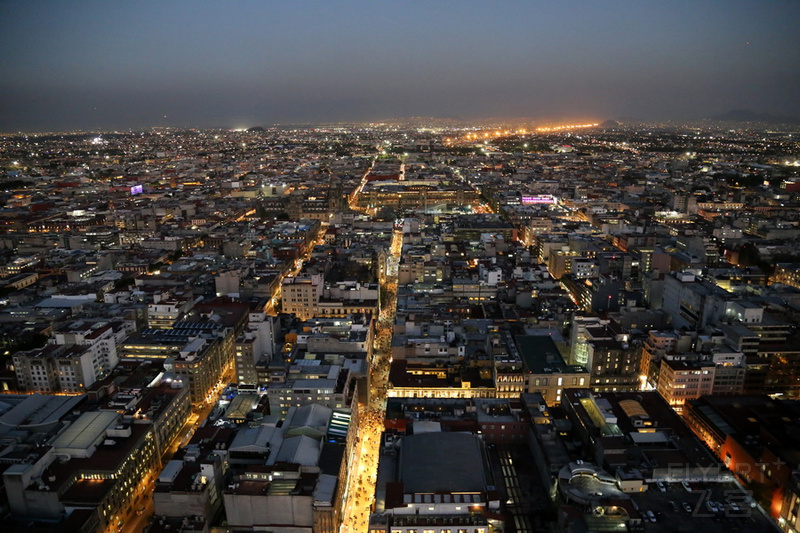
(88, 491)
(65, 302)
(442, 462)
(39, 410)
(541, 356)
(85, 431)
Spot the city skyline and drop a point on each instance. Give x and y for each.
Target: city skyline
(372, 267)
(400, 327)
(91, 65)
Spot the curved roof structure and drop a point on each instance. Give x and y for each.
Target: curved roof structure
(633, 408)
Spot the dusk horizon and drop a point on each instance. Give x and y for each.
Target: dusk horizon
(96, 66)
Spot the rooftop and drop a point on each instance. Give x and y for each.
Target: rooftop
(85, 431)
(442, 462)
(541, 356)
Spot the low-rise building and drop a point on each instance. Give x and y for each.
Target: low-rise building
(439, 478)
(545, 370)
(98, 462)
(755, 437)
(329, 385)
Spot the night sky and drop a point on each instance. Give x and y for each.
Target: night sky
(115, 64)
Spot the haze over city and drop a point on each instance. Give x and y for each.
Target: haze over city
(117, 65)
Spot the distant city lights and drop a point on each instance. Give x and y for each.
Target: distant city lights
(570, 127)
(523, 131)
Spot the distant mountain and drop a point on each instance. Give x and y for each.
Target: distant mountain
(256, 129)
(747, 115)
(609, 125)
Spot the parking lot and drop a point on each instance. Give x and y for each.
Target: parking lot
(677, 509)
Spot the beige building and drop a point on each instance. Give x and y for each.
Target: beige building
(679, 381)
(508, 367)
(308, 296)
(694, 376)
(545, 370)
(423, 271)
(200, 364)
(163, 313)
(100, 337)
(78, 355)
(300, 295)
(54, 368)
(328, 385)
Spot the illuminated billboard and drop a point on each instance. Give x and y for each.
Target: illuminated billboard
(541, 199)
